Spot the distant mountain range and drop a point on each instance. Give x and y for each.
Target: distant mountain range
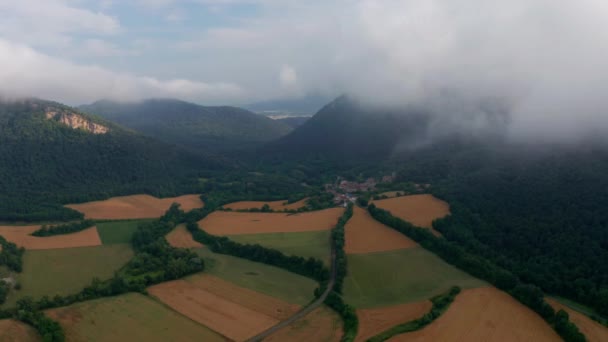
(199, 128)
(305, 105)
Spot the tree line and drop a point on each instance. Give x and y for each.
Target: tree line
(527, 294)
(67, 228)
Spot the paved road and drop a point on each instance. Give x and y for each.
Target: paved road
(306, 310)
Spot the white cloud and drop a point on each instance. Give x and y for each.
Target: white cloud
(25, 72)
(288, 76)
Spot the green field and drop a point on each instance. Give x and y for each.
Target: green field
(259, 277)
(130, 317)
(304, 244)
(395, 277)
(118, 231)
(67, 271)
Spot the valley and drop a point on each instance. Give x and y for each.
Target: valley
(199, 247)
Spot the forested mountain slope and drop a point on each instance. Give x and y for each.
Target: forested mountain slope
(197, 127)
(345, 129)
(52, 154)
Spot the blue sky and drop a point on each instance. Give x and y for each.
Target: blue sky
(543, 58)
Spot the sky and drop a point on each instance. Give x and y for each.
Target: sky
(542, 59)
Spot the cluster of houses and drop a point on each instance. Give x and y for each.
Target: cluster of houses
(344, 190)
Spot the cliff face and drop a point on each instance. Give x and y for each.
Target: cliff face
(75, 121)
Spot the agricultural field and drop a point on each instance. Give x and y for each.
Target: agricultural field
(594, 331)
(274, 205)
(419, 210)
(15, 331)
(321, 325)
(114, 232)
(20, 235)
(180, 237)
(305, 244)
(233, 223)
(374, 321)
(66, 271)
(130, 317)
(134, 207)
(269, 280)
(484, 314)
(235, 312)
(366, 235)
(402, 276)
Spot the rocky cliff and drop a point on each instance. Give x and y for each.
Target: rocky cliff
(75, 121)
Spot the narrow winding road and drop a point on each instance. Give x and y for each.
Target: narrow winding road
(306, 310)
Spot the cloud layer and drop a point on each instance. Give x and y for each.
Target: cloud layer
(542, 61)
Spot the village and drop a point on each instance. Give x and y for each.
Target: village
(345, 191)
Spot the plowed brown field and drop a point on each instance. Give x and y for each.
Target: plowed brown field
(419, 210)
(484, 314)
(232, 311)
(134, 207)
(274, 205)
(20, 235)
(374, 321)
(231, 223)
(321, 325)
(180, 237)
(15, 331)
(594, 331)
(366, 235)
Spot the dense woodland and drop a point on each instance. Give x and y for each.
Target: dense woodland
(44, 164)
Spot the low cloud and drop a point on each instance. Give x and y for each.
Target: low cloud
(27, 73)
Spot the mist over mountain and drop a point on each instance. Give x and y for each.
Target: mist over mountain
(196, 127)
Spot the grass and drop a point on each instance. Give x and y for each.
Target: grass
(66, 271)
(114, 232)
(259, 277)
(403, 276)
(304, 244)
(130, 317)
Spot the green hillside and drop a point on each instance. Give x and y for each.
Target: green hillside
(45, 162)
(197, 127)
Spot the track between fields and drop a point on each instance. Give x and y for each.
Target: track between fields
(306, 310)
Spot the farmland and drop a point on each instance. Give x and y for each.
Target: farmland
(134, 207)
(366, 235)
(180, 237)
(419, 210)
(130, 317)
(233, 311)
(255, 276)
(20, 235)
(118, 231)
(403, 276)
(67, 271)
(321, 325)
(14, 331)
(305, 244)
(484, 314)
(274, 205)
(232, 223)
(594, 331)
(377, 320)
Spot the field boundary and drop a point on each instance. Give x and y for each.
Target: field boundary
(441, 303)
(529, 295)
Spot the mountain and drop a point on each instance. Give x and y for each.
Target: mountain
(52, 154)
(347, 129)
(193, 126)
(305, 105)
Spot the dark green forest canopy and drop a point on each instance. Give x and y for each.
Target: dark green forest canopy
(44, 163)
